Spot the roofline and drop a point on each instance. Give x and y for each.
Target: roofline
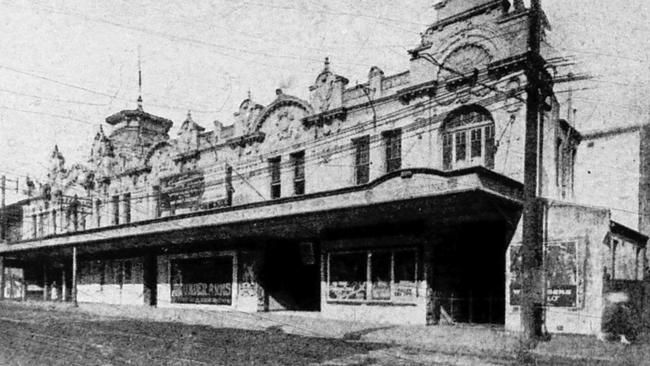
(628, 233)
(596, 134)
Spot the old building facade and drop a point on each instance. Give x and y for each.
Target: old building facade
(395, 200)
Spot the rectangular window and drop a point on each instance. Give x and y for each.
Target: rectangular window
(75, 216)
(54, 222)
(34, 226)
(387, 275)
(157, 203)
(447, 150)
(127, 208)
(380, 269)
(274, 166)
(393, 143)
(348, 276)
(405, 286)
(298, 162)
(98, 212)
(202, 280)
(41, 224)
(127, 276)
(489, 146)
(116, 210)
(476, 142)
(461, 146)
(229, 189)
(362, 159)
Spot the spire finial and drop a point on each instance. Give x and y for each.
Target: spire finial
(189, 115)
(249, 95)
(327, 63)
(139, 80)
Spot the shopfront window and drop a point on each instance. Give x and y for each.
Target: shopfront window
(202, 280)
(380, 275)
(348, 276)
(386, 275)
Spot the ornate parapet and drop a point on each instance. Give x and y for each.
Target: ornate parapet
(243, 141)
(417, 91)
(325, 118)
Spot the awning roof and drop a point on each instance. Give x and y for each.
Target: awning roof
(406, 195)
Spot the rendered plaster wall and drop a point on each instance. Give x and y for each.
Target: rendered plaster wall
(588, 228)
(607, 174)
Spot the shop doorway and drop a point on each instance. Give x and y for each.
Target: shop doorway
(290, 277)
(468, 273)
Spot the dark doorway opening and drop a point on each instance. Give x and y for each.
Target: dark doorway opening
(468, 273)
(290, 276)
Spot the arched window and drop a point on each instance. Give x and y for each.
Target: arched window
(468, 138)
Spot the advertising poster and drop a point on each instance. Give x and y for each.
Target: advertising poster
(561, 274)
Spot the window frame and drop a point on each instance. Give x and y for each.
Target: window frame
(275, 170)
(392, 149)
(459, 143)
(361, 159)
(127, 207)
(116, 209)
(369, 286)
(298, 165)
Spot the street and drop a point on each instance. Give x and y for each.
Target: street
(54, 335)
(42, 336)
(37, 336)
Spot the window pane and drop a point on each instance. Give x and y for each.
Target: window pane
(347, 274)
(477, 142)
(362, 159)
(380, 275)
(127, 208)
(298, 161)
(127, 271)
(393, 142)
(489, 146)
(447, 150)
(274, 166)
(405, 276)
(461, 145)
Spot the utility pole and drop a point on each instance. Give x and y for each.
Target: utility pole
(3, 224)
(532, 246)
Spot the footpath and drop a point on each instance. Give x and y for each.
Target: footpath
(491, 342)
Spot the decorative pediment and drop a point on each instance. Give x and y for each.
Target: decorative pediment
(188, 135)
(246, 115)
(327, 92)
(160, 160)
(281, 120)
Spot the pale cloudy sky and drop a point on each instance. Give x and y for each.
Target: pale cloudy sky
(66, 65)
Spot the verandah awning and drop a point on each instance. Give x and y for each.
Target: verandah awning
(406, 195)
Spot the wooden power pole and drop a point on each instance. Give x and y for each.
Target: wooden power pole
(532, 246)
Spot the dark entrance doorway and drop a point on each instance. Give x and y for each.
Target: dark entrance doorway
(468, 273)
(290, 276)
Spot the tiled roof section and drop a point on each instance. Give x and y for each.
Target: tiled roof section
(137, 113)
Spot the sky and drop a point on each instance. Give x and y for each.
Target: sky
(67, 65)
